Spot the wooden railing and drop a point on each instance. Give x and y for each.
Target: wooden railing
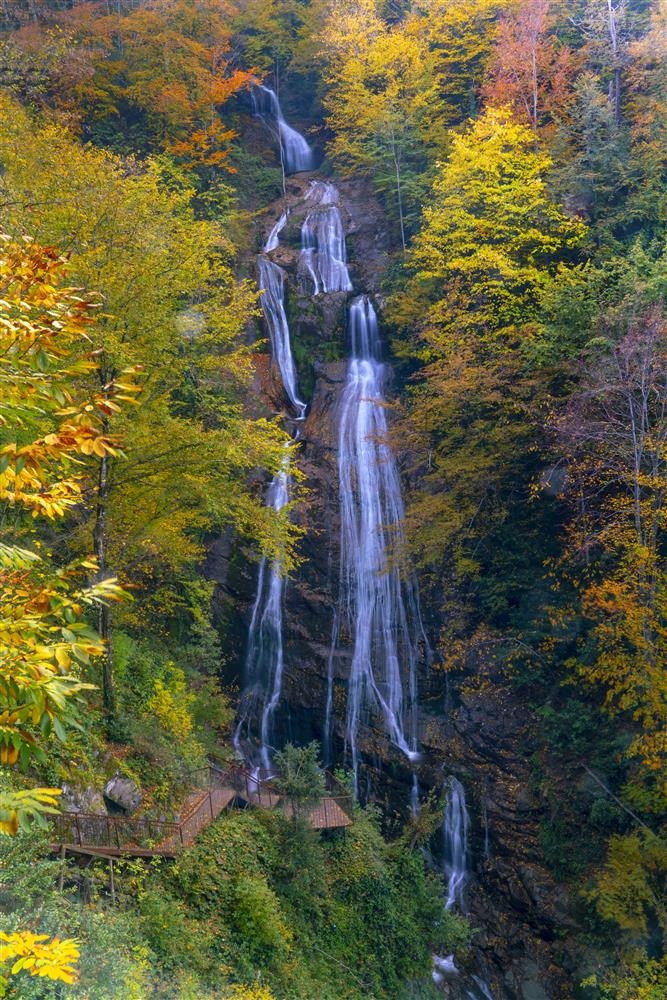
(91, 829)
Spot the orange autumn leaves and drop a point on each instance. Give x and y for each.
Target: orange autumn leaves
(44, 636)
(167, 64)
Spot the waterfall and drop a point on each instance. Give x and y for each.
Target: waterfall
(455, 849)
(484, 991)
(455, 843)
(323, 252)
(264, 660)
(272, 284)
(295, 153)
(264, 665)
(273, 239)
(380, 610)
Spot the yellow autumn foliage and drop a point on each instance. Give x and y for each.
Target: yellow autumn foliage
(36, 954)
(244, 992)
(170, 704)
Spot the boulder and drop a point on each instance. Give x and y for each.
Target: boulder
(122, 794)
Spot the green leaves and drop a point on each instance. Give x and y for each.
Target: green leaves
(19, 810)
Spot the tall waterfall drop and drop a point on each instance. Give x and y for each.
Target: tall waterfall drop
(295, 153)
(379, 610)
(264, 666)
(455, 844)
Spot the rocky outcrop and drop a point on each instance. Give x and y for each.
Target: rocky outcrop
(520, 912)
(82, 800)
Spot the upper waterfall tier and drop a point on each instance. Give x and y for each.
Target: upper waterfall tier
(295, 152)
(323, 249)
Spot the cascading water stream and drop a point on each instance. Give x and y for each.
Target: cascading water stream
(265, 660)
(455, 864)
(455, 844)
(323, 251)
(482, 993)
(272, 283)
(295, 153)
(455, 828)
(264, 666)
(379, 609)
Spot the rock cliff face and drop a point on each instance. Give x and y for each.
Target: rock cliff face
(478, 732)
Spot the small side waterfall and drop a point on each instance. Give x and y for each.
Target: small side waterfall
(274, 236)
(483, 990)
(455, 844)
(455, 827)
(295, 153)
(272, 283)
(264, 666)
(264, 660)
(379, 610)
(323, 252)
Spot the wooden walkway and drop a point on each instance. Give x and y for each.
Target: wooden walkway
(114, 836)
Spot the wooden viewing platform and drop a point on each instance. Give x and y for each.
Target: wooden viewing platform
(113, 836)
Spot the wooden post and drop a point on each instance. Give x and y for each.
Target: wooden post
(112, 885)
(61, 877)
(78, 829)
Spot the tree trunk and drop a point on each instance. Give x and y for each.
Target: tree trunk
(399, 193)
(104, 617)
(613, 38)
(534, 95)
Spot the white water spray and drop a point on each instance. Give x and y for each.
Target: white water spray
(265, 658)
(265, 663)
